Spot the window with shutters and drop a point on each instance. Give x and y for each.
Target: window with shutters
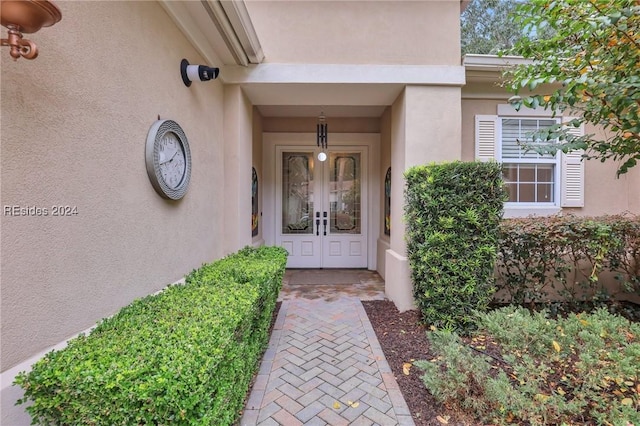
(536, 184)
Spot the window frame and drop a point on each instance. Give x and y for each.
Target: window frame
(556, 161)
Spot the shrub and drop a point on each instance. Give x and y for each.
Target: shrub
(183, 356)
(452, 213)
(564, 257)
(520, 367)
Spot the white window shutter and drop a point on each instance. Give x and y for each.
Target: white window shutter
(486, 137)
(572, 180)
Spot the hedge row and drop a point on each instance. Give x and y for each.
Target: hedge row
(568, 258)
(183, 356)
(452, 213)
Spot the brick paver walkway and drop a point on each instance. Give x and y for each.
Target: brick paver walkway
(324, 366)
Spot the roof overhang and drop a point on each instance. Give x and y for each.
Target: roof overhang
(335, 84)
(220, 30)
(488, 68)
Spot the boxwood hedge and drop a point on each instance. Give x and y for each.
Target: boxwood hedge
(183, 356)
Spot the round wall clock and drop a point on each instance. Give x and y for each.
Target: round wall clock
(168, 159)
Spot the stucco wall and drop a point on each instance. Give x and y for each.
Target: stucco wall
(74, 126)
(385, 162)
(238, 154)
(388, 32)
(604, 193)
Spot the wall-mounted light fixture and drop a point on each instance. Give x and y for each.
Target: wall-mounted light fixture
(197, 72)
(322, 136)
(26, 16)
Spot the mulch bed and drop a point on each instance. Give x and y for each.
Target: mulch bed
(404, 340)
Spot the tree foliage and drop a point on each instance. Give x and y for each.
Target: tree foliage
(587, 65)
(486, 26)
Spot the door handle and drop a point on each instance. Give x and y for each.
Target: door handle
(324, 222)
(317, 223)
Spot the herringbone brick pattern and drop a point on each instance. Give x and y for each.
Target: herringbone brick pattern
(324, 366)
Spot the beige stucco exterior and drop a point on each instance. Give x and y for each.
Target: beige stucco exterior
(75, 123)
(358, 32)
(387, 74)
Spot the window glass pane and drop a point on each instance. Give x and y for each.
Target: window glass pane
(255, 216)
(545, 172)
(510, 138)
(517, 134)
(530, 183)
(297, 192)
(527, 173)
(510, 172)
(526, 193)
(344, 193)
(512, 190)
(544, 193)
(387, 202)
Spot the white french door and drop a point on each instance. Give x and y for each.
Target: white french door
(321, 207)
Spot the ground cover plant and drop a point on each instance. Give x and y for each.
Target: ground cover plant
(521, 366)
(405, 340)
(183, 356)
(452, 212)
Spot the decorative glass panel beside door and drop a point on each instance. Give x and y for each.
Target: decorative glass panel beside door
(344, 193)
(297, 192)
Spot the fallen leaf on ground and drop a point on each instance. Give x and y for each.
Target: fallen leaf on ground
(444, 420)
(406, 367)
(336, 405)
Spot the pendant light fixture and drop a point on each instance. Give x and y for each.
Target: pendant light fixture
(321, 136)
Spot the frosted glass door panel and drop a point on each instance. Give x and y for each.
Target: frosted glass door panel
(297, 193)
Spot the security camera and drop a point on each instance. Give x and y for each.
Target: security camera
(197, 72)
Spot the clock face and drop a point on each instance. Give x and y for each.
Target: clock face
(171, 160)
(168, 159)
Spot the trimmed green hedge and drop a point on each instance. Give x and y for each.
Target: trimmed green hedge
(563, 258)
(183, 356)
(453, 211)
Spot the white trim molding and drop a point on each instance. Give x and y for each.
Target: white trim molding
(238, 16)
(433, 75)
(492, 62)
